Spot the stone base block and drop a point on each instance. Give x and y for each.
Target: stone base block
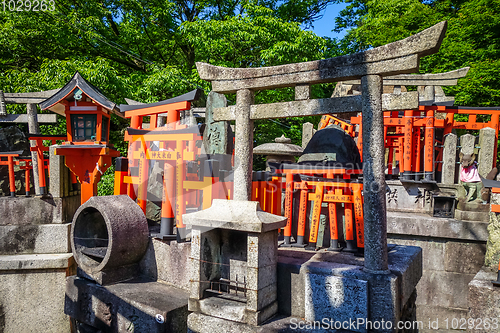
(428, 226)
(134, 306)
(467, 215)
(32, 292)
(167, 261)
(200, 323)
(34, 239)
(336, 286)
(111, 275)
(232, 310)
(38, 210)
(484, 301)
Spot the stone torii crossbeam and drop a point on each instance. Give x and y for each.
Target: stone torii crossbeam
(401, 57)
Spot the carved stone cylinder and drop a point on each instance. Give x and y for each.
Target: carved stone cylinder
(109, 233)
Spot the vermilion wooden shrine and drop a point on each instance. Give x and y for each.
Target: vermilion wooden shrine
(86, 148)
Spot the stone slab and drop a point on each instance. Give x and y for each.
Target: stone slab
(32, 300)
(37, 210)
(465, 258)
(235, 215)
(296, 266)
(35, 261)
(34, 239)
(330, 296)
(445, 289)
(136, 306)
(432, 250)
(425, 225)
(430, 315)
(311, 107)
(472, 216)
(484, 300)
(168, 262)
(23, 118)
(409, 198)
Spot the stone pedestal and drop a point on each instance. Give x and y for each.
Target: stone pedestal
(134, 306)
(234, 261)
(484, 302)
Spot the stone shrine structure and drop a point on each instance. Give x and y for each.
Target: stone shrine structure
(369, 66)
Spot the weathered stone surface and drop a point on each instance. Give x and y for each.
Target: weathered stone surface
(32, 293)
(280, 147)
(381, 60)
(294, 267)
(217, 137)
(433, 251)
(35, 261)
(424, 225)
(467, 141)
(29, 97)
(438, 79)
(410, 198)
(59, 177)
(235, 215)
(446, 289)
(467, 215)
(13, 139)
(302, 92)
(374, 206)
(243, 145)
(433, 318)
(311, 107)
(31, 113)
(492, 256)
(449, 159)
(464, 257)
(37, 210)
(168, 262)
(307, 133)
(137, 306)
(23, 118)
(487, 142)
(27, 239)
(484, 301)
(115, 226)
(335, 297)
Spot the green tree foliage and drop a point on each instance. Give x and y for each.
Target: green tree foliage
(146, 49)
(472, 39)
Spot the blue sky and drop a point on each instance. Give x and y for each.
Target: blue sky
(324, 26)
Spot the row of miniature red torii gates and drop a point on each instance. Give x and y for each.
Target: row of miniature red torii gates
(182, 189)
(25, 163)
(407, 137)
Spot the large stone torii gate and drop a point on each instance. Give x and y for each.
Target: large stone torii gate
(401, 57)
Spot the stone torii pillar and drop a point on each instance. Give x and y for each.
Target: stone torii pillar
(400, 57)
(31, 117)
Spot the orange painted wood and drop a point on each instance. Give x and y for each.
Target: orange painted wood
(168, 191)
(318, 200)
(358, 215)
(301, 227)
(288, 204)
(332, 213)
(179, 106)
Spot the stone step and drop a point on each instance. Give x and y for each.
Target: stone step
(136, 306)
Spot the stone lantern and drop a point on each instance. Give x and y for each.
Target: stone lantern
(279, 151)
